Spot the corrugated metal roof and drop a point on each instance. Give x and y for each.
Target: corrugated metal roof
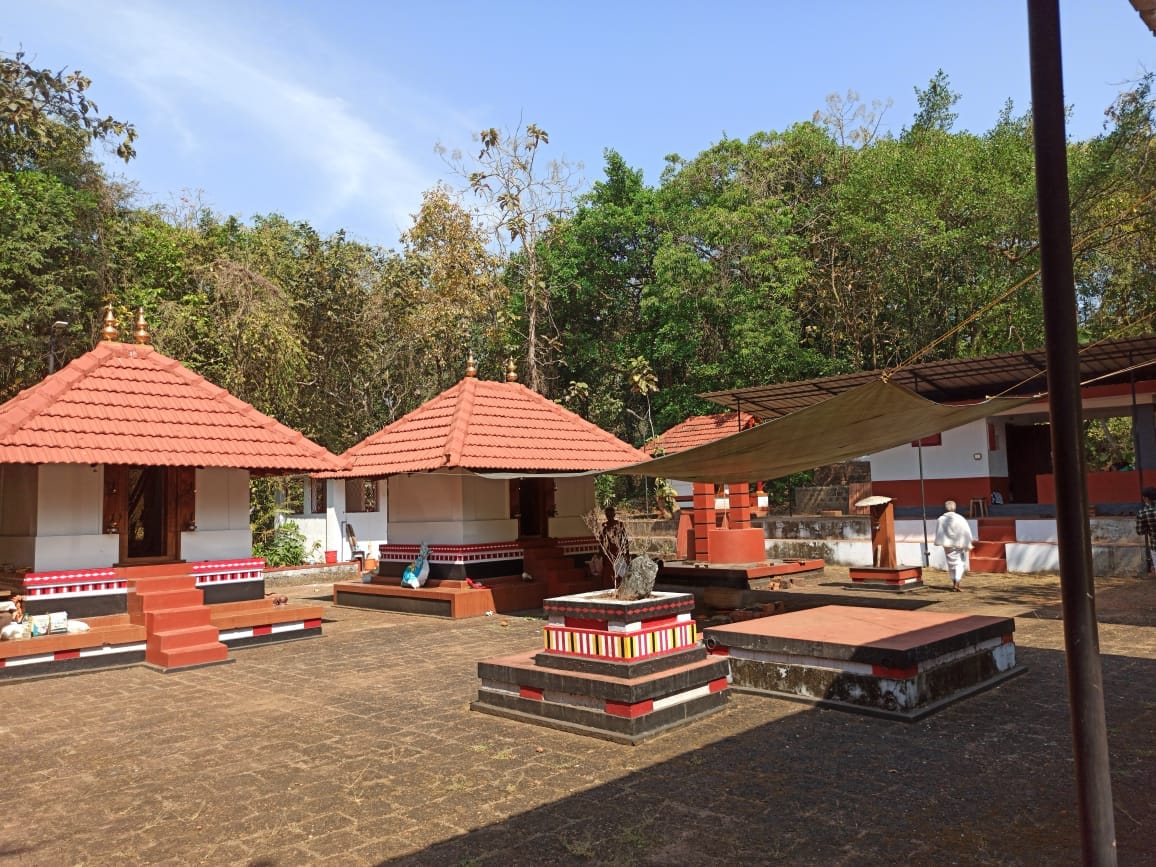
(954, 380)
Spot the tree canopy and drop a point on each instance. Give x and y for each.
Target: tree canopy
(822, 248)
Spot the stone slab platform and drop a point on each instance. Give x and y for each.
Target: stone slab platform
(620, 709)
(449, 598)
(112, 641)
(891, 663)
(742, 575)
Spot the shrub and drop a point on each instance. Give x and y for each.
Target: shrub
(282, 546)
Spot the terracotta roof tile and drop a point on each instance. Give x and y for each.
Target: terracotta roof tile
(699, 430)
(486, 425)
(128, 404)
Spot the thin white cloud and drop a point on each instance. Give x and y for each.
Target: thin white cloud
(205, 75)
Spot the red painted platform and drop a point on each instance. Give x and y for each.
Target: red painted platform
(898, 578)
(893, 663)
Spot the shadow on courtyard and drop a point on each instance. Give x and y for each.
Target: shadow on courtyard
(988, 780)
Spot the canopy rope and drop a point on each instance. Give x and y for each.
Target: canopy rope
(1078, 247)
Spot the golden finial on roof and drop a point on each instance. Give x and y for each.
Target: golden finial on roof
(471, 366)
(511, 371)
(141, 335)
(109, 332)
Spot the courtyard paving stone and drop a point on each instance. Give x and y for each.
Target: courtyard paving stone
(359, 748)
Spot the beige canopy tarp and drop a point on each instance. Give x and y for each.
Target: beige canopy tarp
(857, 422)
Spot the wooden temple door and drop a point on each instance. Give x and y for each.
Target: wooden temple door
(535, 505)
(147, 507)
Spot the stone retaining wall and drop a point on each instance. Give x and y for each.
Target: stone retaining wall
(290, 576)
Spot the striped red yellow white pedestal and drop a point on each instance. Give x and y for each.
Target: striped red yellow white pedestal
(624, 671)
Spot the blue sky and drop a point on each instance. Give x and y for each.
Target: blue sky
(329, 111)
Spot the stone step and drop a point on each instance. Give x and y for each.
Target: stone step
(142, 603)
(200, 654)
(185, 617)
(171, 640)
(986, 548)
(162, 582)
(999, 532)
(261, 612)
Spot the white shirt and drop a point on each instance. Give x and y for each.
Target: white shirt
(953, 531)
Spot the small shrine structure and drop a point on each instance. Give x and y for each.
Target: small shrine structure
(716, 543)
(498, 481)
(885, 571)
(124, 502)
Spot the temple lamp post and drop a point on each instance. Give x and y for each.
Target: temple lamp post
(56, 327)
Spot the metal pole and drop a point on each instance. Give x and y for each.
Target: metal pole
(922, 492)
(923, 504)
(52, 332)
(1136, 462)
(1081, 641)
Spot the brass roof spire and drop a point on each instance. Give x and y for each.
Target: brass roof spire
(471, 366)
(511, 371)
(141, 334)
(109, 332)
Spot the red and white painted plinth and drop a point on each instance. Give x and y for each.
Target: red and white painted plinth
(895, 578)
(885, 662)
(623, 671)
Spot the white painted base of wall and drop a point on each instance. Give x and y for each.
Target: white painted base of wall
(216, 545)
(1108, 561)
(58, 553)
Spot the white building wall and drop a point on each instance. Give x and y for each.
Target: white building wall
(222, 517)
(371, 528)
(69, 502)
(997, 458)
(18, 507)
(455, 508)
(334, 513)
(954, 459)
(573, 501)
(70, 498)
(485, 499)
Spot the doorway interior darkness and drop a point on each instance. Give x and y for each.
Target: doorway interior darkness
(148, 507)
(532, 501)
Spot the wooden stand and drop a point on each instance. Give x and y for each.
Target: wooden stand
(884, 573)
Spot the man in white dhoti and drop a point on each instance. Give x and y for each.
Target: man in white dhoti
(953, 533)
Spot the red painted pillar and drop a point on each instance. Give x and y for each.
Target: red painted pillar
(740, 499)
(703, 519)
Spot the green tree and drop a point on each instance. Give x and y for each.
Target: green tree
(936, 102)
(598, 264)
(55, 208)
(721, 310)
(454, 300)
(44, 112)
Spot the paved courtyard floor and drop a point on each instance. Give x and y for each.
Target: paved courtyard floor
(359, 748)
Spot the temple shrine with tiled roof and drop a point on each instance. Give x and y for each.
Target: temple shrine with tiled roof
(124, 501)
(499, 482)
